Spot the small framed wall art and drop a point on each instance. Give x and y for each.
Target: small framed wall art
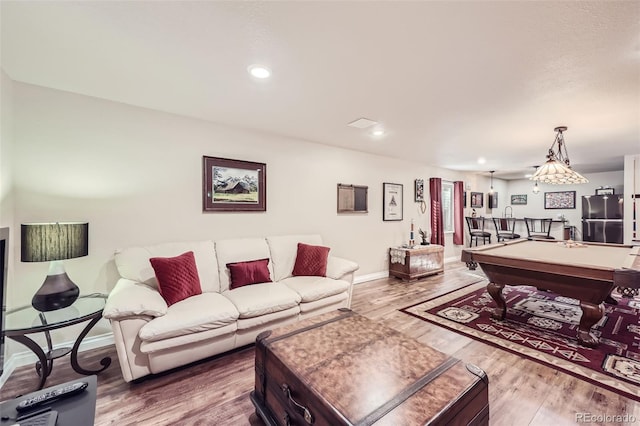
(477, 200)
(353, 198)
(560, 200)
(233, 185)
(519, 199)
(419, 190)
(605, 191)
(492, 200)
(391, 201)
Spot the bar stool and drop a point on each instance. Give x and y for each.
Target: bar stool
(505, 228)
(476, 230)
(538, 228)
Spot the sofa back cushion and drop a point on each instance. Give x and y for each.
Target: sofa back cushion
(239, 250)
(284, 250)
(133, 263)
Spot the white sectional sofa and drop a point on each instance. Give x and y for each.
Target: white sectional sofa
(151, 337)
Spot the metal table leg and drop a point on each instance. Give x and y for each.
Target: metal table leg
(42, 357)
(105, 362)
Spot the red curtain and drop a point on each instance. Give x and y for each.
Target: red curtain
(437, 227)
(458, 213)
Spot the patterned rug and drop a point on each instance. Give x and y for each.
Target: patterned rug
(542, 326)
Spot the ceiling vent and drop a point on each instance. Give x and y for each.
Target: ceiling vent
(362, 123)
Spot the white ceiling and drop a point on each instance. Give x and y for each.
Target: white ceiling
(450, 81)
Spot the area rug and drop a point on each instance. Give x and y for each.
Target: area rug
(542, 326)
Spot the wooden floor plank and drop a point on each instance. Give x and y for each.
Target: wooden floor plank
(216, 391)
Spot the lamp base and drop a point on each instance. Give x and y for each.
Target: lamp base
(57, 292)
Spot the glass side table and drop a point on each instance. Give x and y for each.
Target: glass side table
(27, 320)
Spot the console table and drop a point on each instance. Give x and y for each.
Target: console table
(412, 263)
(26, 320)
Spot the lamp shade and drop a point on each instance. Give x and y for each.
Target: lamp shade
(43, 242)
(557, 173)
(557, 170)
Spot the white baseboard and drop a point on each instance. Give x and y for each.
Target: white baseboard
(384, 274)
(370, 277)
(27, 357)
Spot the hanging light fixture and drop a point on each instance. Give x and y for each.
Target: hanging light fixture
(491, 190)
(557, 170)
(536, 188)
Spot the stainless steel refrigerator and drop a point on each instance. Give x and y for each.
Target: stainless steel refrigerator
(602, 218)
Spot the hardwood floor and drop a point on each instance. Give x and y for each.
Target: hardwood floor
(216, 391)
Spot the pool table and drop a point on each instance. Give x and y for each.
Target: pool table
(588, 273)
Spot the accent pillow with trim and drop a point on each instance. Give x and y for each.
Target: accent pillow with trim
(177, 277)
(311, 261)
(247, 273)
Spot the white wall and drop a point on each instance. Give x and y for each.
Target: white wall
(6, 144)
(482, 183)
(6, 183)
(136, 176)
(6, 151)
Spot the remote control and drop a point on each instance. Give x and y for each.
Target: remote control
(48, 396)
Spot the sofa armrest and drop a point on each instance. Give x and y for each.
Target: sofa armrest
(337, 267)
(130, 299)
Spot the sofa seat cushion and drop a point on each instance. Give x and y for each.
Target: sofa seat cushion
(260, 299)
(262, 320)
(206, 311)
(315, 288)
(224, 335)
(335, 302)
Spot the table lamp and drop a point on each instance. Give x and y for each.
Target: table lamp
(54, 242)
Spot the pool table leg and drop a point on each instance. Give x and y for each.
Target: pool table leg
(495, 290)
(591, 314)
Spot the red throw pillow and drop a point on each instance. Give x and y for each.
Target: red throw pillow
(177, 277)
(251, 272)
(311, 260)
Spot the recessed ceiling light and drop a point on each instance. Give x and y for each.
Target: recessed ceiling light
(528, 175)
(259, 71)
(378, 132)
(482, 160)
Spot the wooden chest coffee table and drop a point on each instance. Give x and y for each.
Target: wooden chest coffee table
(344, 369)
(411, 264)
